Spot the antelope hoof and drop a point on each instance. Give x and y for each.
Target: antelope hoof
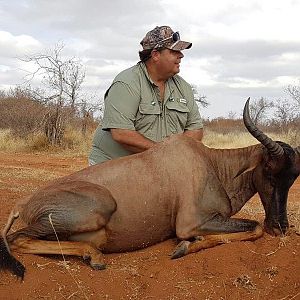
(86, 256)
(180, 250)
(98, 266)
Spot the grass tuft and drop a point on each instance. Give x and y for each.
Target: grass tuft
(9, 142)
(73, 140)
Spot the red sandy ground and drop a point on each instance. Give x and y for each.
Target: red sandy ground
(268, 268)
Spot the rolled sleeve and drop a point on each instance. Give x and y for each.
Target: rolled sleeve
(121, 106)
(194, 120)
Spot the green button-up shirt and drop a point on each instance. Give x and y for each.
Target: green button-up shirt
(133, 102)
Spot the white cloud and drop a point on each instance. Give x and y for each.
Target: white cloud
(14, 45)
(4, 68)
(240, 48)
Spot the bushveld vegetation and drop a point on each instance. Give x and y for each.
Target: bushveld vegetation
(24, 124)
(24, 127)
(231, 133)
(58, 116)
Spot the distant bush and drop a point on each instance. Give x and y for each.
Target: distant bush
(223, 133)
(23, 116)
(23, 127)
(25, 113)
(80, 144)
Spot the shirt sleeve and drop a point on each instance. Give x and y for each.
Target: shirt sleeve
(194, 120)
(121, 106)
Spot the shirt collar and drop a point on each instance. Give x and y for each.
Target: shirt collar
(170, 81)
(145, 71)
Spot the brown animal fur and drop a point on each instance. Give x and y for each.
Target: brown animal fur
(179, 188)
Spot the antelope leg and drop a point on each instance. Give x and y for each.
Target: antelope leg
(208, 241)
(82, 249)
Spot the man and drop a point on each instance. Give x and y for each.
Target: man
(148, 102)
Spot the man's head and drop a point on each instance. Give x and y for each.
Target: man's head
(162, 51)
(164, 37)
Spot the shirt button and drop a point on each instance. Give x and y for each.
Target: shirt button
(153, 103)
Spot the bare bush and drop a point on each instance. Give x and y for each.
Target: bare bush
(259, 109)
(62, 79)
(201, 99)
(294, 92)
(286, 114)
(287, 111)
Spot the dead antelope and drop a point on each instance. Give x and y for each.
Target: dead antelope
(179, 188)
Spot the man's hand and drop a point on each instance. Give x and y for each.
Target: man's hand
(135, 142)
(196, 134)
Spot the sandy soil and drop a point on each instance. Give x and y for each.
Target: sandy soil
(268, 268)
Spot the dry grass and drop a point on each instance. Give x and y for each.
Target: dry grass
(75, 142)
(244, 281)
(231, 140)
(243, 139)
(9, 142)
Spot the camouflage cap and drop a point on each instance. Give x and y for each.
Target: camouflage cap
(164, 37)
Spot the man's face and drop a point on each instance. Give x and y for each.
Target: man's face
(169, 62)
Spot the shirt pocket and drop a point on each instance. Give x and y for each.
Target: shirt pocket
(146, 119)
(177, 115)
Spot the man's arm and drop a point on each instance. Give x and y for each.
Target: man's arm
(135, 142)
(196, 134)
(131, 140)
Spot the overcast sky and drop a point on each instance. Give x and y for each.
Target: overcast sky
(240, 48)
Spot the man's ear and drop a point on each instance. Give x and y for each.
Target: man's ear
(155, 55)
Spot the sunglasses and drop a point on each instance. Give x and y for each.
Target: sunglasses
(174, 37)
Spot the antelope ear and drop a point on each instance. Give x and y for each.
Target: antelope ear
(245, 170)
(251, 164)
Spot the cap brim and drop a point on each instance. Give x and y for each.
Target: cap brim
(180, 45)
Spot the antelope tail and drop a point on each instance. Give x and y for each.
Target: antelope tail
(8, 262)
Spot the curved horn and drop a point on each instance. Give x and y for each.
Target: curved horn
(274, 148)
